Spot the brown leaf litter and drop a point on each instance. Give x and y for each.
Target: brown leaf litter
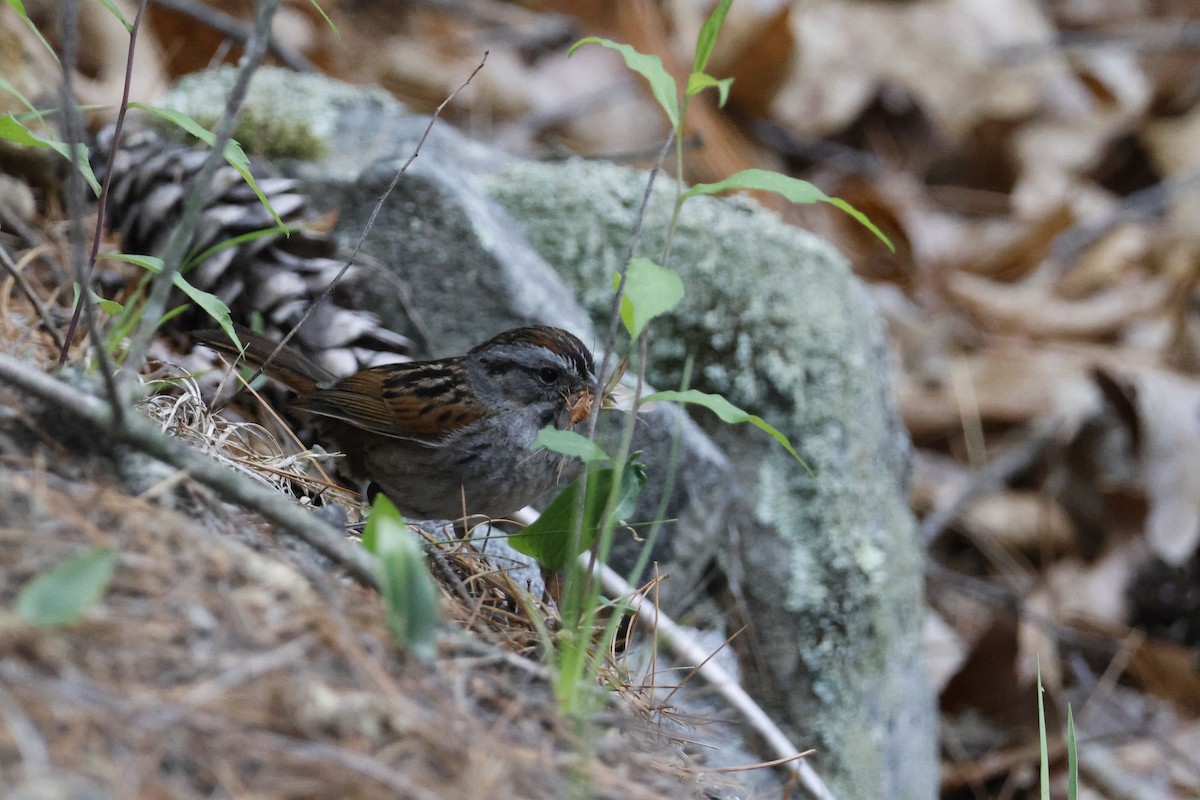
(222, 664)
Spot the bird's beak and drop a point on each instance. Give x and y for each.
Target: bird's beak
(580, 405)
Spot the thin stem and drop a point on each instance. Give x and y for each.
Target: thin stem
(635, 240)
(678, 205)
(102, 205)
(577, 584)
(590, 588)
(10, 265)
(141, 433)
(73, 125)
(639, 566)
(591, 585)
(619, 461)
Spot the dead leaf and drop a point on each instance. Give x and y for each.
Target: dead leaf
(1093, 593)
(1072, 591)
(1167, 410)
(1171, 142)
(1033, 309)
(943, 53)
(756, 49)
(1169, 671)
(1028, 245)
(1005, 382)
(1106, 262)
(945, 650)
(1037, 644)
(1028, 521)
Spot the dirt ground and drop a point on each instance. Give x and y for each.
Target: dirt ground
(1035, 164)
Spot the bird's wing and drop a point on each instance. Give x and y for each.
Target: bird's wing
(404, 401)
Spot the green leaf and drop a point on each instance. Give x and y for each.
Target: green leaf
(549, 538)
(1072, 757)
(727, 412)
(1043, 749)
(123, 323)
(15, 92)
(116, 12)
(569, 443)
(408, 591)
(12, 130)
(180, 120)
(212, 305)
(662, 85)
(172, 314)
(650, 291)
(225, 244)
(234, 154)
(149, 263)
(337, 34)
(19, 7)
(707, 39)
(110, 307)
(794, 189)
(699, 81)
(64, 593)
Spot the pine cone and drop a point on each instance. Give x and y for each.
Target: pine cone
(274, 275)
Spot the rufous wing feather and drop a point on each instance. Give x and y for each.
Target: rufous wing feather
(408, 401)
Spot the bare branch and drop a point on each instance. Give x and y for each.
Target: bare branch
(144, 435)
(103, 203)
(686, 648)
(13, 269)
(73, 133)
(234, 29)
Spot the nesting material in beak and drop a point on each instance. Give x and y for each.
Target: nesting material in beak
(580, 405)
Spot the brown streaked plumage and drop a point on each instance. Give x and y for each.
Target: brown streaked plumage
(430, 433)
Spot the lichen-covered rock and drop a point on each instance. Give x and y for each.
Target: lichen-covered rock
(827, 564)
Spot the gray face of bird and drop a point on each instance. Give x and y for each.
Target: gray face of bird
(552, 374)
(522, 377)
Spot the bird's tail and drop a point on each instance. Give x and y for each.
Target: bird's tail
(285, 364)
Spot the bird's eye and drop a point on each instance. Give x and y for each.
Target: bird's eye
(548, 375)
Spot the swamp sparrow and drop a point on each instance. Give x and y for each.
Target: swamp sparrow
(453, 434)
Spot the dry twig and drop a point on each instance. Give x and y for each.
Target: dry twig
(143, 435)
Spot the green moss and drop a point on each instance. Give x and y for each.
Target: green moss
(285, 115)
